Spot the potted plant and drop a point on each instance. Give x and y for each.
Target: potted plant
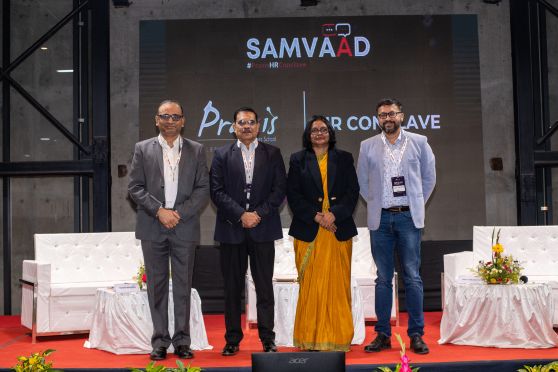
(34, 363)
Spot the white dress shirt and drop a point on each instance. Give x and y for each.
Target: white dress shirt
(171, 158)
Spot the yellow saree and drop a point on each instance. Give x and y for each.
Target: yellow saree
(323, 315)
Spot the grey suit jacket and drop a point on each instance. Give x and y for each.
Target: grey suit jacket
(147, 189)
(419, 169)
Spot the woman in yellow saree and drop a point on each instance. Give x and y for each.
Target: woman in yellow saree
(322, 192)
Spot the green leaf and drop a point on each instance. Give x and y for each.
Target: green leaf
(48, 352)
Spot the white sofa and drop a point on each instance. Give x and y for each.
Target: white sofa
(535, 247)
(59, 286)
(363, 271)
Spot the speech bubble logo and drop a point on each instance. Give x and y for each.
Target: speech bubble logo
(343, 29)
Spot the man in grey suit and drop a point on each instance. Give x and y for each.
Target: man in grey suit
(169, 182)
(396, 173)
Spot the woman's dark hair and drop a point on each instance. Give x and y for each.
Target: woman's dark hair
(307, 142)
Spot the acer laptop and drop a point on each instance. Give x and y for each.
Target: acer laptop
(323, 361)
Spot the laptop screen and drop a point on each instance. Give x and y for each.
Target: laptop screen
(333, 361)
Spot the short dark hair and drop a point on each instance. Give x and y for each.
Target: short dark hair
(307, 142)
(171, 101)
(389, 102)
(247, 109)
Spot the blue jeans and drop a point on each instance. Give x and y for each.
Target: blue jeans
(397, 231)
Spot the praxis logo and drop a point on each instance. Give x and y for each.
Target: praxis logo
(335, 41)
(213, 123)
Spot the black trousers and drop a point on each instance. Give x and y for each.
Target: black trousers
(234, 263)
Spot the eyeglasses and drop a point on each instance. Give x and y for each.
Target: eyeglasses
(316, 131)
(391, 114)
(167, 117)
(246, 122)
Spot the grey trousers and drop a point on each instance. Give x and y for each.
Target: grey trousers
(156, 256)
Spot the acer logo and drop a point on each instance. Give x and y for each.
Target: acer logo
(298, 360)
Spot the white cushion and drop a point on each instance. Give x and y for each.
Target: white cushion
(84, 257)
(68, 269)
(535, 247)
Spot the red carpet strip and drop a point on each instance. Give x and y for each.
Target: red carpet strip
(70, 353)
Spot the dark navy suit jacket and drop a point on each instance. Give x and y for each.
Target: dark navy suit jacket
(227, 183)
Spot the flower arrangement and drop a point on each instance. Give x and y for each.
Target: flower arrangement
(404, 365)
(36, 362)
(501, 269)
(152, 367)
(141, 277)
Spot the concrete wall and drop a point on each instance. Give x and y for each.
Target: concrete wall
(495, 70)
(39, 204)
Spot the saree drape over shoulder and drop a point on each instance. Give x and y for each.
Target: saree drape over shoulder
(323, 315)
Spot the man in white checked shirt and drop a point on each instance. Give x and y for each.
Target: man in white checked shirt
(396, 173)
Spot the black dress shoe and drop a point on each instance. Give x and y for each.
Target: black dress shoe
(183, 352)
(230, 350)
(269, 346)
(418, 345)
(159, 353)
(380, 343)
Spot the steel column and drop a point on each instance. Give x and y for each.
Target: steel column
(100, 119)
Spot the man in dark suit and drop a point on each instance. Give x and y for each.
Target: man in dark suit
(169, 182)
(248, 183)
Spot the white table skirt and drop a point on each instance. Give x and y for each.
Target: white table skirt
(286, 298)
(504, 316)
(122, 323)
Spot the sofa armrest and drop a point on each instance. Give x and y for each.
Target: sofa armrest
(36, 272)
(29, 271)
(457, 264)
(35, 299)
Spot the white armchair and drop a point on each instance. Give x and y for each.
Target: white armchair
(59, 286)
(363, 271)
(535, 247)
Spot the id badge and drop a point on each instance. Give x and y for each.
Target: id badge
(247, 189)
(398, 185)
